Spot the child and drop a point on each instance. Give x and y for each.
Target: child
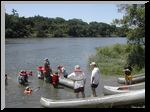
(28, 90)
(128, 76)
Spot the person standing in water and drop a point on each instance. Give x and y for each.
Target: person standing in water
(79, 79)
(47, 70)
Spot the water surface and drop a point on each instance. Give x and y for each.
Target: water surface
(29, 53)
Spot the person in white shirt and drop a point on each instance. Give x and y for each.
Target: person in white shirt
(79, 79)
(95, 77)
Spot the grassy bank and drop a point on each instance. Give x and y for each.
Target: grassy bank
(112, 59)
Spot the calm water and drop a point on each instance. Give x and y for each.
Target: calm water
(29, 53)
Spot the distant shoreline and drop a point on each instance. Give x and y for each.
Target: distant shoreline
(61, 37)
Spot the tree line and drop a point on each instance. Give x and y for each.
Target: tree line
(38, 26)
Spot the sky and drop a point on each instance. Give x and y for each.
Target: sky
(87, 12)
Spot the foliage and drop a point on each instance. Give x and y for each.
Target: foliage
(112, 59)
(38, 26)
(137, 57)
(134, 19)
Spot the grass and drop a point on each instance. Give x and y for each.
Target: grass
(112, 59)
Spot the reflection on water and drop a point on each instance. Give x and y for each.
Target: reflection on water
(29, 53)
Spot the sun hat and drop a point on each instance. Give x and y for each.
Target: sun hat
(126, 69)
(22, 71)
(77, 68)
(93, 63)
(27, 87)
(45, 59)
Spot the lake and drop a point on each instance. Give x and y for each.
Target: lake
(27, 54)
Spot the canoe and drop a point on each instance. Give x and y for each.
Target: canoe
(101, 101)
(66, 82)
(136, 79)
(110, 90)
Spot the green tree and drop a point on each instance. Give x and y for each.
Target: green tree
(134, 19)
(39, 26)
(14, 27)
(15, 12)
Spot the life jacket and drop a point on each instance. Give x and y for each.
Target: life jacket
(22, 74)
(129, 77)
(55, 79)
(40, 68)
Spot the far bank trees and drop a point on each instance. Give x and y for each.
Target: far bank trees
(38, 26)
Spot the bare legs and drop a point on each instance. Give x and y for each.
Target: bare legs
(94, 92)
(77, 95)
(128, 82)
(83, 95)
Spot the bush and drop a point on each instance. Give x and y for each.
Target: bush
(137, 57)
(112, 59)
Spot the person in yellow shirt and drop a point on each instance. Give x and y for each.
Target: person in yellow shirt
(128, 76)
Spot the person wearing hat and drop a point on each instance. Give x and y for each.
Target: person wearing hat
(79, 79)
(47, 61)
(128, 76)
(47, 70)
(95, 77)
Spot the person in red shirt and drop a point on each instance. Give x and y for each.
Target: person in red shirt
(55, 79)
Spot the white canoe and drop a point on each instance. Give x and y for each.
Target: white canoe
(136, 79)
(110, 90)
(103, 101)
(66, 82)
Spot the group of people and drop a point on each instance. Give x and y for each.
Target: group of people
(45, 72)
(80, 79)
(78, 76)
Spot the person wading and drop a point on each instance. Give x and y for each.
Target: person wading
(79, 79)
(62, 71)
(47, 71)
